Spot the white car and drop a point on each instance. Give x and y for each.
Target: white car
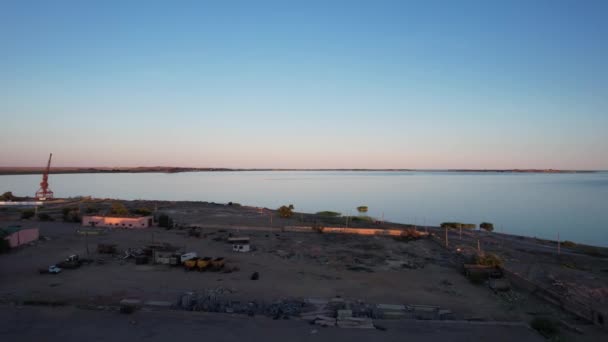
(54, 269)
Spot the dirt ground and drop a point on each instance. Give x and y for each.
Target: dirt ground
(68, 324)
(374, 269)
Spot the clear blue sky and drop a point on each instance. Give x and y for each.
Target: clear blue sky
(307, 84)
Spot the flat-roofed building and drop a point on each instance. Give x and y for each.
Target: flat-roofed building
(17, 235)
(128, 222)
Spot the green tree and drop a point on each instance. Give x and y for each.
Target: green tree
(7, 196)
(142, 211)
(286, 211)
(487, 226)
(118, 209)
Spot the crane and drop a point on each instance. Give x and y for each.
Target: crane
(44, 193)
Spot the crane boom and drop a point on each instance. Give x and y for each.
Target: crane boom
(44, 192)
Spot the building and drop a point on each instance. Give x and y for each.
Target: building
(129, 222)
(240, 244)
(17, 236)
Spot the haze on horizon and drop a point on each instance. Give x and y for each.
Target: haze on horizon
(314, 84)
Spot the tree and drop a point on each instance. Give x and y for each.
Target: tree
(7, 196)
(286, 211)
(71, 214)
(118, 209)
(487, 226)
(142, 211)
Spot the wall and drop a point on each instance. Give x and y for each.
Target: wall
(23, 236)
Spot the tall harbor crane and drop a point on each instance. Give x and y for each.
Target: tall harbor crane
(44, 193)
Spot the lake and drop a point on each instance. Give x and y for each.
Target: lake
(542, 205)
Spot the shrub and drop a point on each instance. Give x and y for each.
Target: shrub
(487, 226)
(142, 211)
(568, 244)
(362, 209)
(118, 209)
(545, 326)
(453, 225)
(165, 221)
(488, 259)
(28, 214)
(286, 211)
(362, 218)
(45, 217)
(328, 213)
(70, 214)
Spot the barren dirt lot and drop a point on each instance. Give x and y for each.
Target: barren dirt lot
(69, 324)
(290, 265)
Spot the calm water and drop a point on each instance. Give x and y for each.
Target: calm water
(575, 205)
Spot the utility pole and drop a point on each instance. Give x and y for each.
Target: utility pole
(478, 247)
(446, 237)
(86, 241)
(558, 245)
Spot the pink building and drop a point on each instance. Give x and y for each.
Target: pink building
(17, 236)
(133, 222)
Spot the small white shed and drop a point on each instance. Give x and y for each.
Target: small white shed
(241, 247)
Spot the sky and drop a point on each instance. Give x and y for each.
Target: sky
(305, 84)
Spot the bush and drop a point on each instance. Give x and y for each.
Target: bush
(328, 213)
(286, 211)
(362, 209)
(70, 214)
(142, 211)
(45, 217)
(545, 326)
(28, 214)
(487, 226)
(165, 221)
(568, 244)
(488, 259)
(453, 225)
(118, 209)
(362, 218)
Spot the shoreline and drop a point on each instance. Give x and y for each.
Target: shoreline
(6, 171)
(539, 243)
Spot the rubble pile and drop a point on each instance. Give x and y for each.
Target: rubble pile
(335, 312)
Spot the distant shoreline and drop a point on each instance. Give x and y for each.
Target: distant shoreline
(162, 169)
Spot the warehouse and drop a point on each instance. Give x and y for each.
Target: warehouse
(132, 222)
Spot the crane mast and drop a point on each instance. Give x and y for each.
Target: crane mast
(44, 193)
